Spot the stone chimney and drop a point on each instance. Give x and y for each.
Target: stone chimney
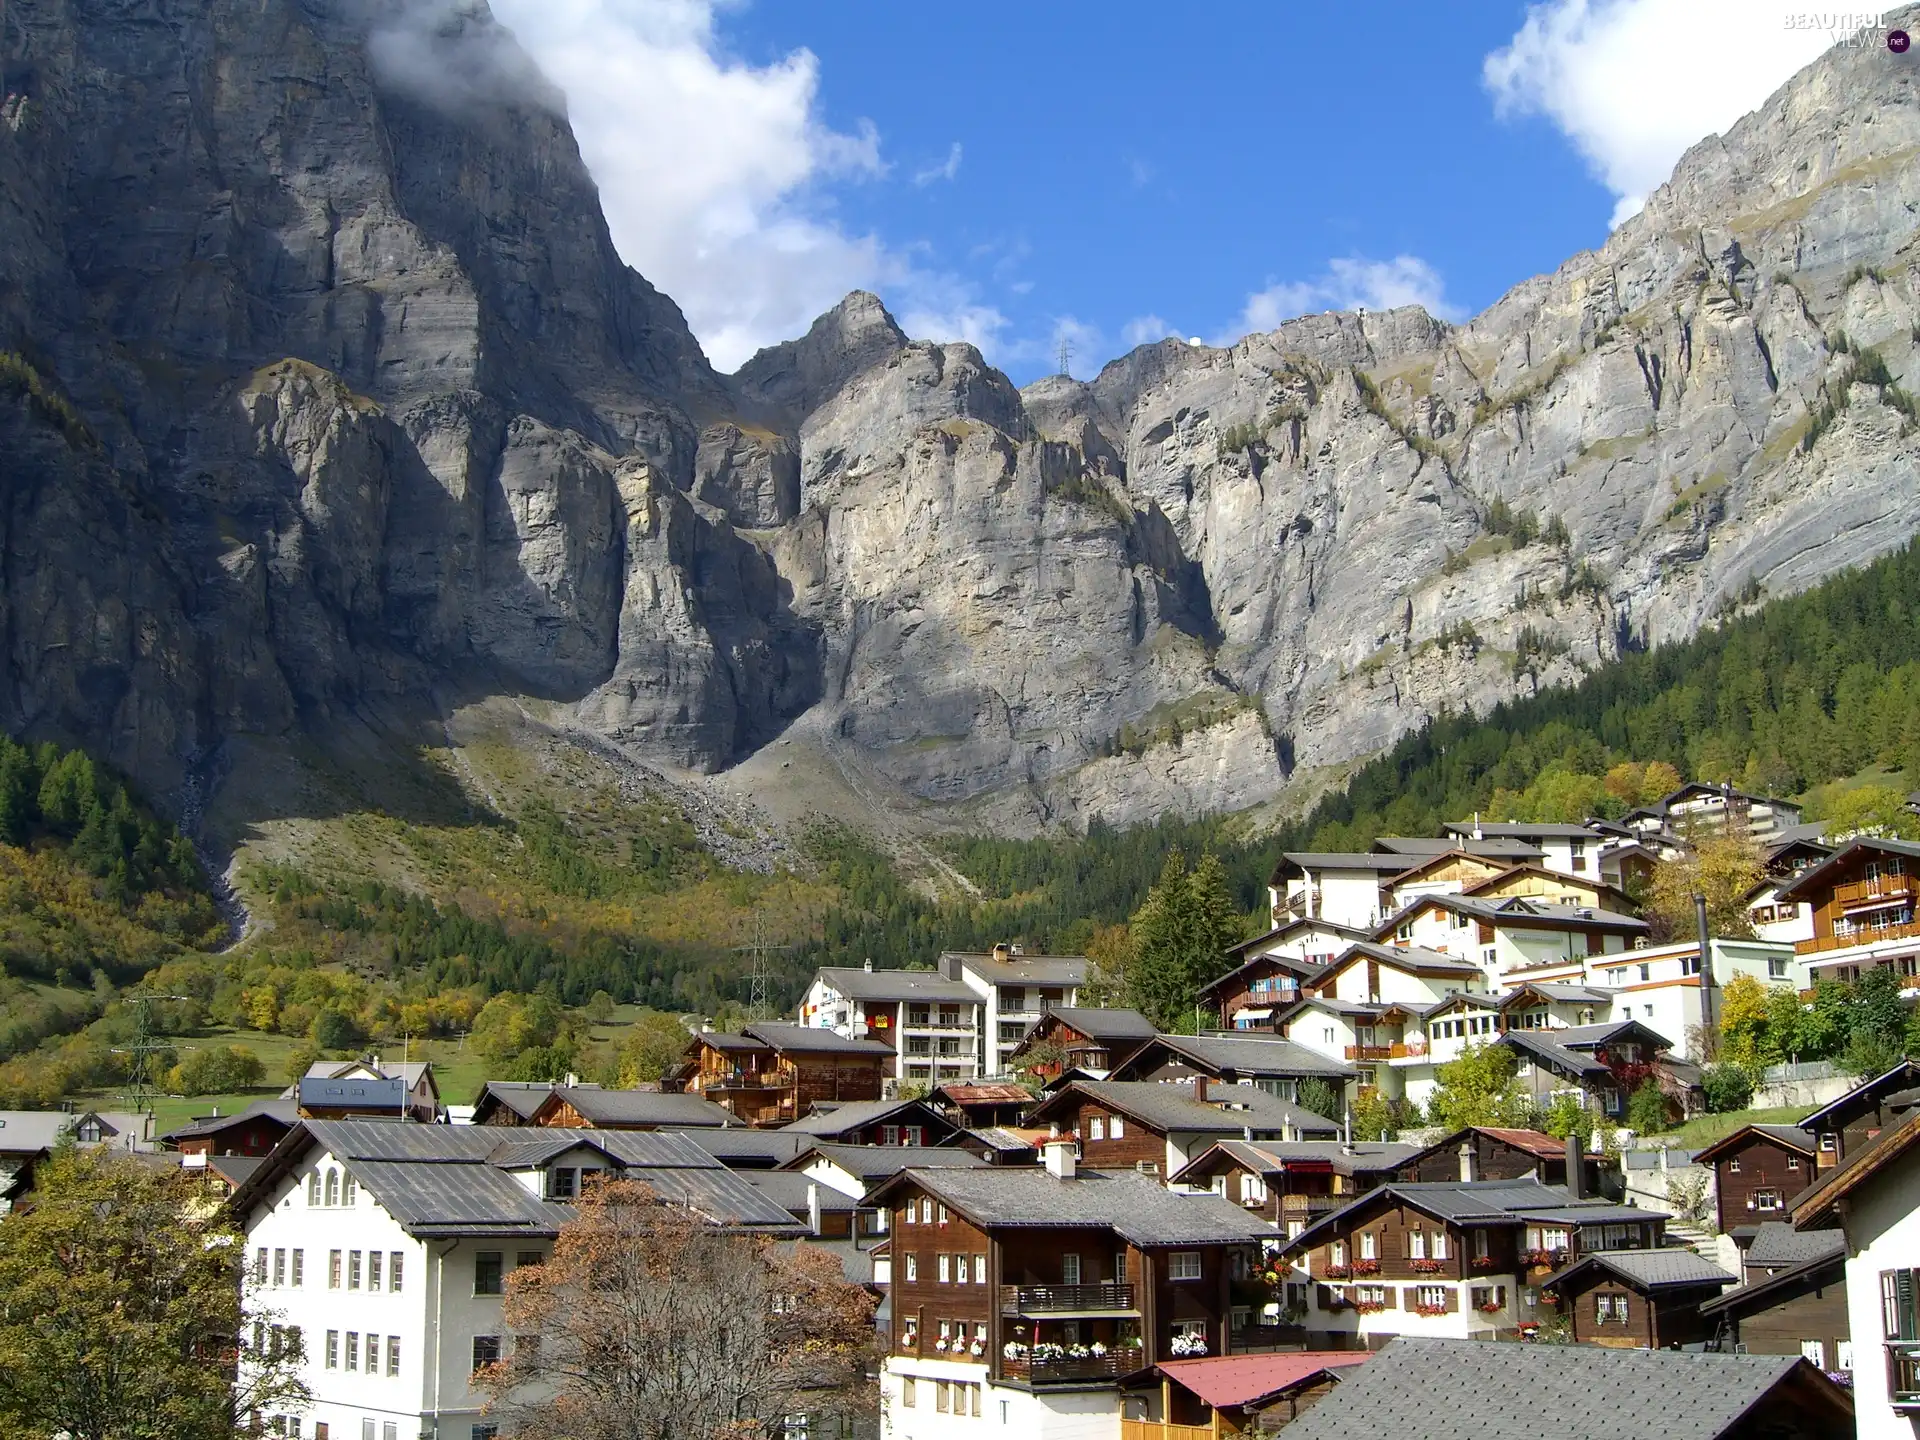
(1059, 1157)
(1469, 1162)
(1576, 1167)
(1200, 1088)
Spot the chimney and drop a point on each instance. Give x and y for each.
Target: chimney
(1469, 1162)
(1476, 826)
(1059, 1157)
(813, 1206)
(571, 1080)
(869, 966)
(1576, 1166)
(1200, 1088)
(1003, 952)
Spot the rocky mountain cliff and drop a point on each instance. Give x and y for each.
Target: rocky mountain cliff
(325, 395)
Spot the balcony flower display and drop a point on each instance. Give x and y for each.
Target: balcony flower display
(1489, 1307)
(1484, 1262)
(1339, 1272)
(1014, 1350)
(1429, 1310)
(910, 1336)
(941, 1344)
(1186, 1346)
(978, 1347)
(1544, 1257)
(1427, 1267)
(1369, 1307)
(1366, 1267)
(1272, 1272)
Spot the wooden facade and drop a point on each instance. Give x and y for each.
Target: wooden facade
(1491, 1154)
(1757, 1172)
(1103, 1146)
(1796, 1312)
(764, 1085)
(1603, 1309)
(246, 1135)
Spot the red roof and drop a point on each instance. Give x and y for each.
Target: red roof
(987, 1094)
(1228, 1380)
(1531, 1141)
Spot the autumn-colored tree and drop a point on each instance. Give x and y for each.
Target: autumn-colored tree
(1879, 811)
(123, 1316)
(1108, 954)
(1724, 869)
(1745, 1022)
(649, 1323)
(1634, 784)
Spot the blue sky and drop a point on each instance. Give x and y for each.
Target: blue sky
(1012, 174)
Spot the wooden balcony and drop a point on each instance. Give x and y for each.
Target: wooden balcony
(1297, 1205)
(1253, 1338)
(1888, 888)
(1903, 1375)
(1063, 1372)
(1864, 935)
(1369, 1052)
(1109, 1299)
(1154, 1430)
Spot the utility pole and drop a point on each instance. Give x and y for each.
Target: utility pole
(1066, 345)
(1710, 1034)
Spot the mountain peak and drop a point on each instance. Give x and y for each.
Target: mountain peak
(798, 376)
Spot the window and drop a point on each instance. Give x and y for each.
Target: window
(1776, 967)
(907, 1388)
(373, 1269)
(1096, 1129)
(1610, 1309)
(1416, 1244)
(940, 1396)
(1829, 1143)
(393, 1271)
(973, 1402)
(1766, 1200)
(979, 1269)
(366, 1428)
(279, 1267)
(1337, 1252)
(524, 1258)
(1482, 1245)
(486, 1273)
(1116, 1129)
(889, 1134)
(562, 1183)
(347, 1190)
(1192, 1329)
(333, 1269)
(333, 1187)
(313, 1188)
(1183, 1265)
(1897, 1307)
(945, 1268)
(1815, 1351)
(943, 1214)
(373, 1354)
(389, 1430)
(260, 1266)
(926, 1211)
(486, 1432)
(353, 1349)
(959, 1269)
(299, 1268)
(1253, 1190)
(486, 1350)
(1370, 1295)
(353, 1269)
(1434, 1297)
(1690, 965)
(1120, 1267)
(1733, 1166)
(912, 1211)
(1646, 972)
(1069, 1269)
(913, 1267)
(1369, 1246)
(393, 1354)
(1439, 1246)
(333, 1349)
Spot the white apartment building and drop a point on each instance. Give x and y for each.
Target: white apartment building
(1014, 989)
(387, 1245)
(932, 1023)
(1515, 933)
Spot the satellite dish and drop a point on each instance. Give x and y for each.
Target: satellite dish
(1196, 341)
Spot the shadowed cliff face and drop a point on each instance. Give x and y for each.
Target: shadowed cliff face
(332, 396)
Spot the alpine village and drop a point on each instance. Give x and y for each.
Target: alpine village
(1358, 880)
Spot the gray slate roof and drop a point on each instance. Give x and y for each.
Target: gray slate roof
(643, 1107)
(1135, 1207)
(1479, 1202)
(285, 1111)
(28, 1132)
(1022, 969)
(743, 1149)
(877, 1162)
(1172, 1107)
(1420, 1389)
(1415, 956)
(924, 985)
(1105, 1024)
(450, 1180)
(1265, 1056)
(858, 1114)
(787, 1035)
(788, 1189)
(1777, 1245)
(1650, 1269)
(521, 1097)
(1272, 1157)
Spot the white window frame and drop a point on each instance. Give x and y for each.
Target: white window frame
(1184, 1265)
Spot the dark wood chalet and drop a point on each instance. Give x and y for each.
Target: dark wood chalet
(1841, 1129)
(1265, 1061)
(1863, 910)
(1050, 1277)
(1637, 1299)
(1157, 1127)
(1292, 1185)
(774, 1073)
(253, 1131)
(1484, 1152)
(877, 1122)
(1800, 1310)
(1757, 1170)
(1079, 1037)
(1268, 976)
(983, 1104)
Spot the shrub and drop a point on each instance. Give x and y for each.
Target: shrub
(335, 1029)
(1729, 1087)
(217, 1072)
(1647, 1109)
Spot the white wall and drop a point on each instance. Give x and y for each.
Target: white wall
(1004, 1410)
(1883, 1233)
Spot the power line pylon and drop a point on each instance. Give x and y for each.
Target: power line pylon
(138, 1093)
(759, 978)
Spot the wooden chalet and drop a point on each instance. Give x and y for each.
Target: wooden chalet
(510, 1102)
(1757, 1170)
(1843, 1128)
(1156, 1127)
(1080, 1037)
(252, 1131)
(1536, 882)
(876, 1122)
(1486, 1152)
(1608, 1061)
(1048, 1277)
(983, 1104)
(1795, 1309)
(591, 1107)
(1265, 1061)
(774, 1072)
(1292, 1184)
(1637, 1299)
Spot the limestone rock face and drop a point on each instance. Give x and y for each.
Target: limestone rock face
(325, 391)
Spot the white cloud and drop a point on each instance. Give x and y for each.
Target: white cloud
(1633, 83)
(711, 169)
(1145, 330)
(945, 170)
(1349, 283)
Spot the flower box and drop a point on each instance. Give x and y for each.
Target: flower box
(1188, 1346)
(1366, 1267)
(1489, 1307)
(1544, 1257)
(1429, 1310)
(1369, 1307)
(1339, 1272)
(1485, 1262)
(1428, 1267)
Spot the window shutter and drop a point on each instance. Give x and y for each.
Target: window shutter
(1453, 1300)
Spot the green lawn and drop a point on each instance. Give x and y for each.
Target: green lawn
(1703, 1130)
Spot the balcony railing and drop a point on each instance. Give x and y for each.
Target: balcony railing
(1311, 1204)
(1903, 1375)
(1256, 1337)
(1066, 1299)
(1055, 1372)
(1861, 935)
(1369, 1052)
(1884, 887)
(1154, 1430)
